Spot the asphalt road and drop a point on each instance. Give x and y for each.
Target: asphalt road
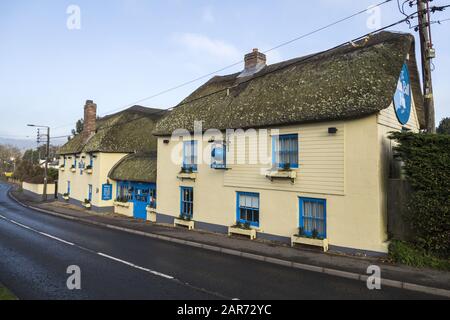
(36, 249)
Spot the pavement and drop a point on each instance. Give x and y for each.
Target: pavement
(122, 258)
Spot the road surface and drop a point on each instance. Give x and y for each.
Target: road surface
(36, 249)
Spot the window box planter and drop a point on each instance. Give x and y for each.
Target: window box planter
(282, 174)
(89, 170)
(122, 204)
(62, 168)
(187, 175)
(151, 214)
(310, 242)
(73, 169)
(243, 232)
(190, 224)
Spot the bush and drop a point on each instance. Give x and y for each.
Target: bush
(30, 173)
(404, 253)
(427, 168)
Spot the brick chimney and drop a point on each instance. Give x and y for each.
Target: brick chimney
(255, 60)
(90, 118)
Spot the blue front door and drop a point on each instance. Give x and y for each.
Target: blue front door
(141, 199)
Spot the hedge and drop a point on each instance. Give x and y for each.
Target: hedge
(426, 160)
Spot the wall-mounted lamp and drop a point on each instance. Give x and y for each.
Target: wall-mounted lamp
(166, 141)
(405, 129)
(332, 130)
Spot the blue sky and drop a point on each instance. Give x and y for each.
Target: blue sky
(128, 50)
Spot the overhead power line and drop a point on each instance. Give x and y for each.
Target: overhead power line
(298, 61)
(240, 62)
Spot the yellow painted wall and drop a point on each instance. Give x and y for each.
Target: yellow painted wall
(387, 122)
(79, 183)
(341, 168)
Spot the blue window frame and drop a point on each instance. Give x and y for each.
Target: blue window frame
(124, 191)
(187, 202)
(91, 161)
(68, 187)
(285, 151)
(313, 217)
(90, 192)
(190, 155)
(247, 208)
(75, 161)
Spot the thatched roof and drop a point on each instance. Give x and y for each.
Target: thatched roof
(350, 82)
(138, 167)
(124, 132)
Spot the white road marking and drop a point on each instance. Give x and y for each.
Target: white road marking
(57, 239)
(159, 274)
(155, 273)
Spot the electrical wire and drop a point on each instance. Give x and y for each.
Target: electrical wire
(239, 62)
(298, 61)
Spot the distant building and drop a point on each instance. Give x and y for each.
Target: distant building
(95, 166)
(328, 161)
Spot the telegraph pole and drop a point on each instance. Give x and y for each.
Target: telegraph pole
(428, 53)
(47, 151)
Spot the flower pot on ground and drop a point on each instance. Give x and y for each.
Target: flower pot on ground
(243, 230)
(314, 240)
(87, 204)
(184, 221)
(66, 196)
(151, 214)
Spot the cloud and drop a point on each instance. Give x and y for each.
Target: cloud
(208, 15)
(199, 44)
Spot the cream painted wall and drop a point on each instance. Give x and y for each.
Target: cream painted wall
(39, 188)
(103, 163)
(342, 168)
(387, 122)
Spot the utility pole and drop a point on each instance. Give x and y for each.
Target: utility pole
(427, 53)
(47, 151)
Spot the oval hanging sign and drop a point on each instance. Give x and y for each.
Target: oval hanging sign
(402, 97)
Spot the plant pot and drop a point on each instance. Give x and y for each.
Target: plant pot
(243, 232)
(187, 176)
(151, 214)
(89, 171)
(280, 174)
(67, 198)
(310, 242)
(190, 224)
(87, 205)
(122, 204)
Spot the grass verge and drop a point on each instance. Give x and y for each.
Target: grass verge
(6, 295)
(405, 253)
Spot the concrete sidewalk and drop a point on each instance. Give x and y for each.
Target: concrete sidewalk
(424, 280)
